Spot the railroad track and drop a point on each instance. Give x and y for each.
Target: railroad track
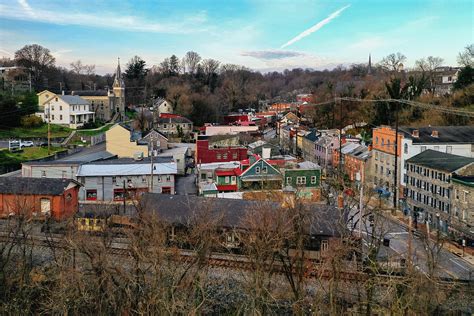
(313, 268)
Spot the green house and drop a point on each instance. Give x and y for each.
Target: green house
(260, 176)
(303, 175)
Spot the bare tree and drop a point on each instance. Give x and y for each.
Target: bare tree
(466, 57)
(393, 61)
(192, 60)
(37, 59)
(77, 67)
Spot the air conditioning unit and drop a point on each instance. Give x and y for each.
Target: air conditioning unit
(138, 156)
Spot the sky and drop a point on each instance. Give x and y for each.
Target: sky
(264, 35)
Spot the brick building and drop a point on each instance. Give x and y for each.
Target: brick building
(207, 152)
(39, 197)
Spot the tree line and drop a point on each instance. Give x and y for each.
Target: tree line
(204, 89)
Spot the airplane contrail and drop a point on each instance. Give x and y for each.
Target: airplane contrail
(315, 27)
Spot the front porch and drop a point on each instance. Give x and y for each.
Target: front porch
(79, 119)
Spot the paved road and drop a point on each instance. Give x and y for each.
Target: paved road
(88, 152)
(449, 265)
(186, 185)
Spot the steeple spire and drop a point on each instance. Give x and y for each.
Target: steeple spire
(369, 68)
(118, 82)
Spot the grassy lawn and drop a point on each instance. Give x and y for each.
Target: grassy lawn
(95, 132)
(35, 132)
(30, 153)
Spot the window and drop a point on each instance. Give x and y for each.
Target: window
(257, 170)
(114, 179)
(324, 245)
(383, 142)
(227, 179)
(233, 179)
(69, 197)
(376, 155)
(288, 180)
(264, 169)
(376, 140)
(313, 179)
(218, 157)
(143, 179)
(56, 99)
(166, 190)
(224, 156)
(91, 195)
(52, 116)
(234, 156)
(168, 178)
(61, 117)
(300, 180)
(449, 149)
(381, 170)
(165, 126)
(45, 204)
(376, 168)
(405, 148)
(388, 144)
(60, 108)
(43, 174)
(119, 194)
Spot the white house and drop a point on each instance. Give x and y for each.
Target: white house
(160, 105)
(70, 110)
(456, 140)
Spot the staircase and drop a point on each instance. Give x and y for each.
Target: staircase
(68, 139)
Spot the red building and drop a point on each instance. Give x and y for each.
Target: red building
(233, 118)
(227, 179)
(206, 153)
(41, 197)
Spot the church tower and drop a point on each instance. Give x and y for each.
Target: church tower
(119, 92)
(369, 67)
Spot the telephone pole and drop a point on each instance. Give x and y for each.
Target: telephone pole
(49, 129)
(151, 159)
(395, 174)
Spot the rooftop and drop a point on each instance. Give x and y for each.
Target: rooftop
(446, 134)
(94, 170)
(90, 93)
(73, 99)
(440, 161)
(26, 186)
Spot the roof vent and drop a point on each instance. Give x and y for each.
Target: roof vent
(415, 133)
(435, 133)
(138, 156)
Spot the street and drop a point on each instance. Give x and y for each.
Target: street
(186, 185)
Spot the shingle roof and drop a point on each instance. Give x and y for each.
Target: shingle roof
(27, 186)
(179, 209)
(440, 161)
(446, 134)
(73, 99)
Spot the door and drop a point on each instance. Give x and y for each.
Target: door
(45, 206)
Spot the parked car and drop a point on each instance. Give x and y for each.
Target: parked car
(43, 144)
(27, 143)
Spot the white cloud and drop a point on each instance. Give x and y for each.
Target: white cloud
(59, 53)
(25, 12)
(369, 43)
(316, 27)
(271, 54)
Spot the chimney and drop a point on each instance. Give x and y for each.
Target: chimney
(62, 92)
(434, 133)
(415, 133)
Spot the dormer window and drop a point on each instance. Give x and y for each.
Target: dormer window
(435, 134)
(415, 133)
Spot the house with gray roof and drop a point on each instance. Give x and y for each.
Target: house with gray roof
(69, 110)
(429, 190)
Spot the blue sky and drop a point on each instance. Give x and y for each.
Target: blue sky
(263, 35)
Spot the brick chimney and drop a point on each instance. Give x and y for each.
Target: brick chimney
(435, 133)
(415, 133)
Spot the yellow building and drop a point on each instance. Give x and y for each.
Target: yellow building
(119, 141)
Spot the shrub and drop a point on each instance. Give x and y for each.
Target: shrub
(31, 121)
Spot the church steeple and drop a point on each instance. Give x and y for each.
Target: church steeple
(118, 82)
(369, 68)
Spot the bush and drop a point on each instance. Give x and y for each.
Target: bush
(31, 121)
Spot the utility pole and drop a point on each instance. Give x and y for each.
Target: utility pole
(395, 174)
(49, 129)
(124, 198)
(361, 206)
(151, 158)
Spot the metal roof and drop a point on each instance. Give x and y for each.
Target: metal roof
(446, 134)
(93, 170)
(440, 161)
(73, 99)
